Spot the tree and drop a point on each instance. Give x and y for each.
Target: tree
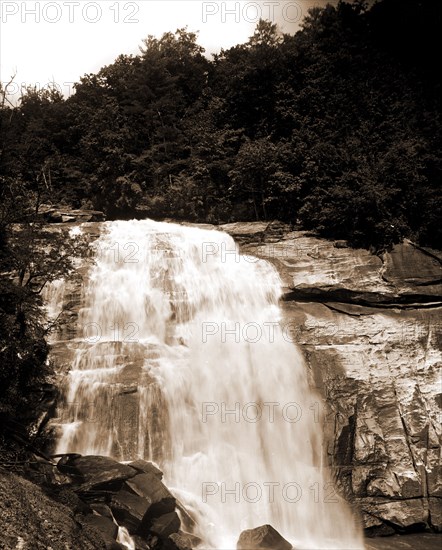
(259, 175)
(30, 258)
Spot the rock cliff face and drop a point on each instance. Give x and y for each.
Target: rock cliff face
(370, 329)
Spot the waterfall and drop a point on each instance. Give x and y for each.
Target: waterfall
(180, 359)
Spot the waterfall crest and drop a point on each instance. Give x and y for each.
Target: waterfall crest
(181, 359)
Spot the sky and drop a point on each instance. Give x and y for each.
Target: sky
(49, 41)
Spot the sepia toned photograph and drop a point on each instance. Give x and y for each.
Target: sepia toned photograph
(220, 275)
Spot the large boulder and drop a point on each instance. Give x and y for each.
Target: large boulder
(178, 542)
(141, 543)
(165, 525)
(128, 509)
(264, 536)
(102, 509)
(159, 499)
(96, 472)
(184, 541)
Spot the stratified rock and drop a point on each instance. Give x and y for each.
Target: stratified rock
(246, 231)
(264, 536)
(146, 467)
(53, 215)
(128, 509)
(403, 515)
(159, 499)
(408, 265)
(96, 472)
(165, 525)
(375, 527)
(369, 328)
(317, 268)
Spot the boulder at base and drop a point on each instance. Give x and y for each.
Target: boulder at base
(184, 541)
(159, 499)
(96, 471)
(166, 525)
(128, 509)
(264, 536)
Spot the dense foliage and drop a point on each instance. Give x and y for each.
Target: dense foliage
(30, 258)
(335, 129)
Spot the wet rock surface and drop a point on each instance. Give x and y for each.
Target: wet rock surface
(95, 471)
(159, 501)
(265, 537)
(370, 329)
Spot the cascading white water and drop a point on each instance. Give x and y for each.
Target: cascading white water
(53, 298)
(181, 359)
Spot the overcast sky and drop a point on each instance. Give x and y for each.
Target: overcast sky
(59, 41)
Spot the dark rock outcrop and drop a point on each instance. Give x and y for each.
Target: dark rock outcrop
(154, 492)
(265, 537)
(105, 494)
(165, 525)
(96, 472)
(128, 509)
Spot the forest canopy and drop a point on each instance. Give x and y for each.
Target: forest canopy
(334, 129)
